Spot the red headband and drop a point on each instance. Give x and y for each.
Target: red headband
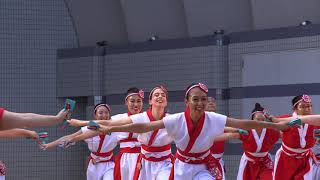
(104, 105)
(202, 86)
(140, 94)
(304, 98)
(158, 87)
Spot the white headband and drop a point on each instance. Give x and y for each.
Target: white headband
(140, 94)
(158, 87)
(202, 86)
(104, 105)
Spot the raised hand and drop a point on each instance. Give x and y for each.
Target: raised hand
(269, 117)
(104, 130)
(42, 146)
(75, 123)
(66, 143)
(62, 115)
(33, 135)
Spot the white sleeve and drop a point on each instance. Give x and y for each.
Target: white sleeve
(114, 117)
(219, 121)
(119, 116)
(84, 129)
(140, 118)
(171, 123)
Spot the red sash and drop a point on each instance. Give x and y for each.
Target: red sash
(306, 154)
(265, 161)
(152, 159)
(99, 153)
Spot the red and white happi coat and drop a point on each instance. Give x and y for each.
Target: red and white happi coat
(101, 157)
(125, 162)
(193, 143)
(155, 160)
(294, 159)
(255, 162)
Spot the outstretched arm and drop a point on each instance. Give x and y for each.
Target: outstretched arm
(15, 133)
(78, 123)
(227, 136)
(308, 119)
(28, 120)
(84, 135)
(135, 128)
(231, 130)
(59, 141)
(250, 124)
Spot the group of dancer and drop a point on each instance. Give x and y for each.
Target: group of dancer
(198, 133)
(146, 139)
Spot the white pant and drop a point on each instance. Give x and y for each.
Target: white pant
(100, 171)
(128, 163)
(155, 170)
(185, 171)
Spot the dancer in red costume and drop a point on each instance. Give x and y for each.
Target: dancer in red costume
(294, 159)
(256, 163)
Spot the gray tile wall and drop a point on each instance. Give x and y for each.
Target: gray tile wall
(30, 34)
(115, 73)
(237, 50)
(176, 68)
(80, 76)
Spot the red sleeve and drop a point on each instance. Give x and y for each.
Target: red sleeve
(1, 113)
(217, 147)
(243, 137)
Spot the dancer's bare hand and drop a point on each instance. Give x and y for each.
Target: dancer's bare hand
(43, 147)
(75, 122)
(105, 130)
(66, 143)
(33, 135)
(62, 115)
